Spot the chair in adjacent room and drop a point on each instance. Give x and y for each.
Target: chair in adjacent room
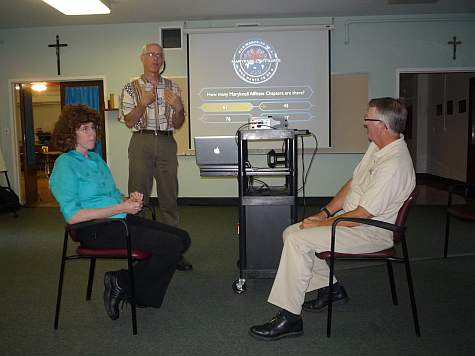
(92, 254)
(465, 212)
(389, 256)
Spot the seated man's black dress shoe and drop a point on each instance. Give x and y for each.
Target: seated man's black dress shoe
(113, 294)
(183, 264)
(339, 297)
(279, 327)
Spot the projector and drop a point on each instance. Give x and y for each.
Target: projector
(271, 122)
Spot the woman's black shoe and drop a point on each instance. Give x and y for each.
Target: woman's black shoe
(279, 327)
(113, 294)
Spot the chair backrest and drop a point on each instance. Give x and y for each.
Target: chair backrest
(74, 235)
(402, 214)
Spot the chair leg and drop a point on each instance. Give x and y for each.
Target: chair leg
(330, 296)
(411, 289)
(132, 300)
(90, 280)
(154, 213)
(391, 281)
(447, 226)
(132, 284)
(60, 283)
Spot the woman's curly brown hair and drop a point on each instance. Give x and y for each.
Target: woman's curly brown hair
(71, 119)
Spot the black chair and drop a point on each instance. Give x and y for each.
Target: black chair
(464, 212)
(389, 255)
(131, 255)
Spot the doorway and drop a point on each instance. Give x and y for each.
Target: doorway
(37, 107)
(438, 121)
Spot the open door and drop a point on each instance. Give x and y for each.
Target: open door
(28, 148)
(90, 93)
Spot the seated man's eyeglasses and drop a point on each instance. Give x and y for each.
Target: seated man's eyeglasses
(366, 118)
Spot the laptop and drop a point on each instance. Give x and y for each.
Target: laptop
(216, 153)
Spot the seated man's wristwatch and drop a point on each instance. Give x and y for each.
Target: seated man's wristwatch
(326, 211)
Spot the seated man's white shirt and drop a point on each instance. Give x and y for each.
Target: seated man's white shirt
(381, 182)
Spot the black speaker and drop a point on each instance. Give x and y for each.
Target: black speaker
(171, 37)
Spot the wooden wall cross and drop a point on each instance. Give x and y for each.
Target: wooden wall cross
(454, 43)
(58, 45)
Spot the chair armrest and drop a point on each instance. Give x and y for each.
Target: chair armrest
(97, 222)
(461, 189)
(377, 223)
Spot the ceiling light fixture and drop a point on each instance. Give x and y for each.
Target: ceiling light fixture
(38, 86)
(82, 7)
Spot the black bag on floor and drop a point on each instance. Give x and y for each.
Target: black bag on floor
(9, 201)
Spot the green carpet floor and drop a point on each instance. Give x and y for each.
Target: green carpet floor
(202, 316)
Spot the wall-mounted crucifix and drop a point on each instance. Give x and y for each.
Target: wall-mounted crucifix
(58, 45)
(454, 43)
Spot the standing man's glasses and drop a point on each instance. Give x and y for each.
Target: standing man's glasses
(153, 55)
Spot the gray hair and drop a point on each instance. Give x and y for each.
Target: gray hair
(392, 112)
(144, 47)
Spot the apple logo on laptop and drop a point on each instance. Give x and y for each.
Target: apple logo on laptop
(216, 150)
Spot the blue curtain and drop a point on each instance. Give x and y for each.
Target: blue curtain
(82, 95)
(86, 95)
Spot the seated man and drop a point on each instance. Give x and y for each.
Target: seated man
(381, 182)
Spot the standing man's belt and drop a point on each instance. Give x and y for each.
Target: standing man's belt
(155, 132)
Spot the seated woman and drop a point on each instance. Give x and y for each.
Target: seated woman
(83, 185)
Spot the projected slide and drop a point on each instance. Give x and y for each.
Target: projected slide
(237, 77)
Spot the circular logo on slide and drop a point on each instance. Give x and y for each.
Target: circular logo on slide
(255, 61)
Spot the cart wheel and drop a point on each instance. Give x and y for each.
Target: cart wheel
(239, 286)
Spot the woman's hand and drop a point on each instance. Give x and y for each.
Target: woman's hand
(131, 206)
(136, 196)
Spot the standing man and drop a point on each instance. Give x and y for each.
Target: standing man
(151, 107)
(381, 182)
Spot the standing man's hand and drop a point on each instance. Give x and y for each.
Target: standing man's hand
(173, 99)
(148, 97)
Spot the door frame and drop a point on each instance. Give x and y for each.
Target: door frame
(427, 70)
(15, 158)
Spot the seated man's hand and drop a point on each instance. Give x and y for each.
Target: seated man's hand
(314, 220)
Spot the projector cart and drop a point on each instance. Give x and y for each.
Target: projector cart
(265, 211)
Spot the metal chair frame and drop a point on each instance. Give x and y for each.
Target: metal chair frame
(388, 255)
(464, 212)
(130, 254)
